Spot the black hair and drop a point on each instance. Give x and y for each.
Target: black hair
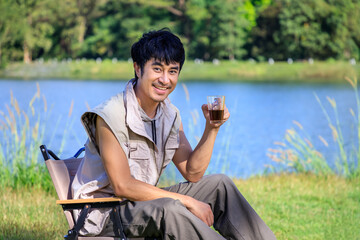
(162, 45)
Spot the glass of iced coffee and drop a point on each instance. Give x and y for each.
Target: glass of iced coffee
(216, 105)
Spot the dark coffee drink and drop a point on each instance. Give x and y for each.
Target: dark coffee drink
(216, 115)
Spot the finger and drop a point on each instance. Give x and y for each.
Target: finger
(210, 216)
(211, 219)
(208, 221)
(226, 113)
(204, 108)
(226, 116)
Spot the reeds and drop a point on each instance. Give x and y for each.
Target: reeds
(22, 131)
(297, 153)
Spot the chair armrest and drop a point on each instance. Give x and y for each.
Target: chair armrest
(91, 202)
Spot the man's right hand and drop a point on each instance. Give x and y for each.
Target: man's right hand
(201, 210)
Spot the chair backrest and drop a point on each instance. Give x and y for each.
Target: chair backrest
(62, 173)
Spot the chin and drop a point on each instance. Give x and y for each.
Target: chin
(159, 98)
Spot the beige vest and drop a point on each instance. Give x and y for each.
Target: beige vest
(146, 160)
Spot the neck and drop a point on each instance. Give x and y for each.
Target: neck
(149, 109)
(147, 105)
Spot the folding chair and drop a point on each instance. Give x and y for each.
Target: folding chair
(62, 173)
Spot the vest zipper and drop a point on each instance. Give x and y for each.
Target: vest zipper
(153, 127)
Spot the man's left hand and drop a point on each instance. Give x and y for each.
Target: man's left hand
(206, 113)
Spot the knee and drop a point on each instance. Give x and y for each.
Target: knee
(221, 182)
(221, 179)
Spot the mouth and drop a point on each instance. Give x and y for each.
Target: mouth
(161, 89)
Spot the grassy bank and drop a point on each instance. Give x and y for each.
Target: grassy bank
(306, 206)
(294, 206)
(225, 70)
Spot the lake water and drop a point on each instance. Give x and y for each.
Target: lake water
(260, 115)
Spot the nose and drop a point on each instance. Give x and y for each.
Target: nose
(164, 79)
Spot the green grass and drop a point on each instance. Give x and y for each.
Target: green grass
(296, 206)
(306, 206)
(225, 71)
(30, 214)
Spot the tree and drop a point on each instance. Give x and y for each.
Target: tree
(319, 29)
(228, 26)
(65, 24)
(345, 28)
(112, 33)
(305, 29)
(10, 28)
(262, 42)
(36, 27)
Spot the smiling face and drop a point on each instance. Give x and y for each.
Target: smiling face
(156, 81)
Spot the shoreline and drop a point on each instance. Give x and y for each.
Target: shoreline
(229, 71)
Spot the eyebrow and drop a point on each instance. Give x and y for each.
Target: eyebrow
(156, 63)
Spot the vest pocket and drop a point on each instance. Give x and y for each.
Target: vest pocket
(138, 158)
(171, 146)
(139, 151)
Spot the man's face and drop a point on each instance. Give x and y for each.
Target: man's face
(156, 81)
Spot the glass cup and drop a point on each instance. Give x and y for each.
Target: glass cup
(216, 105)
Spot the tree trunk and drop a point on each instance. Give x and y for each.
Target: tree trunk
(0, 56)
(82, 29)
(27, 49)
(182, 4)
(231, 56)
(27, 54)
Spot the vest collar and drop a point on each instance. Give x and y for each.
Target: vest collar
(133, 116)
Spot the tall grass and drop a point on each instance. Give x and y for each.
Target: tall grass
(298, 154)
(22, 132)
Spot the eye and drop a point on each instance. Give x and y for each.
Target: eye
(173, 72)
(157, 69)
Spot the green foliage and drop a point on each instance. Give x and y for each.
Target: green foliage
(309, 29)
(230, 29)
(226, 27)
(318, 29)
(10, 29)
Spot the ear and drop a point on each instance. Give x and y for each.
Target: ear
(137, 70)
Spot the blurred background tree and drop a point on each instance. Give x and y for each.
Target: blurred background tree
(10, 29)
(223, 29)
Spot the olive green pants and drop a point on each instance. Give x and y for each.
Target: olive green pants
(166, 218)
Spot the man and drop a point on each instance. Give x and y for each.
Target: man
(134, 135)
